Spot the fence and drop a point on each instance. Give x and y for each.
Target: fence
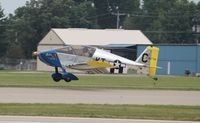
(17, 64)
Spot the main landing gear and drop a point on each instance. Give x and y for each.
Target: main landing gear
(65, 76)
(56, 76)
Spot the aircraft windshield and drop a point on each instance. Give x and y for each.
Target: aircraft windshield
(78, 50)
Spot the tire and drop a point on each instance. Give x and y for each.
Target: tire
(56, 77)
(67, 80)
(155, 78)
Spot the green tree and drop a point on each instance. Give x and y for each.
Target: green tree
(34, 20)
(165, 21)
(105, 8)
(3, 43)
(83, 15)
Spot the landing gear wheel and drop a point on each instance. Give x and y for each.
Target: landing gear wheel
(155, 78)
(67, 80)
(57, 77)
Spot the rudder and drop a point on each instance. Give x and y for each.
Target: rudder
(153, 61)
(149, 58)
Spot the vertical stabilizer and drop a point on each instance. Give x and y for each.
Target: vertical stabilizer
(149, 58)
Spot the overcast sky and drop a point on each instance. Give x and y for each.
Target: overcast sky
(10, 5)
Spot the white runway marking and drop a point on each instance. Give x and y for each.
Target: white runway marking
(30, 119)
(39, 95)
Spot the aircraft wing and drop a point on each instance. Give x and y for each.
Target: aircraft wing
(92, 64)
(100, 64)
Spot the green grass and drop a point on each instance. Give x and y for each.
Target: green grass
(10, 79)
(191, 113)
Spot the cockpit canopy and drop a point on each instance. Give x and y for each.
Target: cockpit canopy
(84, 51)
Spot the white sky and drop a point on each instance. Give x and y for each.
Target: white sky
(195, 0)
(10, 5)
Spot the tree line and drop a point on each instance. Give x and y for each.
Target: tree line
(162, 21)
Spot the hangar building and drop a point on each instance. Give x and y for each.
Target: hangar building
(176, 59)
(120, 42)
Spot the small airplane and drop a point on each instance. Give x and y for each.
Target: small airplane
(87, 57)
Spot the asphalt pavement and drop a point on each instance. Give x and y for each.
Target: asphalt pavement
(30, 119)
(101, 96)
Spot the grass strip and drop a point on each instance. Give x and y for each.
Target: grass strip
(43, 80)
(155, 112)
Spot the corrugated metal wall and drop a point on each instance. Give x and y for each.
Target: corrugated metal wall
(175, 59)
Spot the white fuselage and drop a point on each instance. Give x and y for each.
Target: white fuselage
(107, 56)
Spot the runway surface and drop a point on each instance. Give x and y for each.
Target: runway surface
(39, 95)
(30, 119)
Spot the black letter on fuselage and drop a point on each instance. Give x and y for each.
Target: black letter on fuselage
(97, 58)
(145, 57)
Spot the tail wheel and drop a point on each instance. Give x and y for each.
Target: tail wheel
(155, 78)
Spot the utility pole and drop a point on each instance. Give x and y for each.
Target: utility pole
(196, 29)
(118, 14)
